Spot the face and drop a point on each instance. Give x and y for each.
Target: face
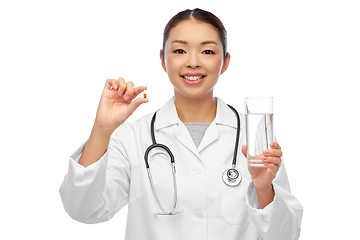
(194, 59)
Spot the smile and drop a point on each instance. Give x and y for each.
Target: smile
(193, 78)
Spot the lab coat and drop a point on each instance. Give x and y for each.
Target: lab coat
(209, 208)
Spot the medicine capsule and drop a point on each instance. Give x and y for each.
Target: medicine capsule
(144, 93)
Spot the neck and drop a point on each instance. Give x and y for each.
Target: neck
(195, 109)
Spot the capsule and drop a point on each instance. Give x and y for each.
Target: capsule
(144, 93)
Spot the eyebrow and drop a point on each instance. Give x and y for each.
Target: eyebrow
(203, 43)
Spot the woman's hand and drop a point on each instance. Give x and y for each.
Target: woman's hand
(116, 103)
(263, 176)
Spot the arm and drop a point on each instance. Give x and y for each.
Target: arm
(96, 146)
(281, 219)
(86, 192)
(275, 212)
(100, 169)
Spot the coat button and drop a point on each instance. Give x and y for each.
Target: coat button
(199, 214)
(199, 170)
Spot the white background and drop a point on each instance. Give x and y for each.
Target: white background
(55, 57)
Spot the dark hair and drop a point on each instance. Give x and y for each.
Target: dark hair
(199, 15)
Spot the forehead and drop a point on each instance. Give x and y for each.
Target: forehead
(194, 31)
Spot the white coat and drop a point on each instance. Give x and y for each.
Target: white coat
(210, 209)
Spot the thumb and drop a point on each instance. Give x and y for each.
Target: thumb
(135, 104)
(244, 150)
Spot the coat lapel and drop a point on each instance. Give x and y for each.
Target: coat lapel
(211, 135)
(183, 136)
(168, 116)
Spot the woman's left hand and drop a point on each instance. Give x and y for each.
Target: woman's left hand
(263, 176)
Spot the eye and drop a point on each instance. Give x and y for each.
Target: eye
(179, 51)
(208, 52)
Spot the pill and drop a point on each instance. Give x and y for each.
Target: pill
(144, 93)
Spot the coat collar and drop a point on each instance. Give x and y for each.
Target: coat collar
(168, 116)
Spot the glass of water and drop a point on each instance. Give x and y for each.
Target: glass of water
(259, 121)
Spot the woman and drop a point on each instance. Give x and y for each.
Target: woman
(109, 172)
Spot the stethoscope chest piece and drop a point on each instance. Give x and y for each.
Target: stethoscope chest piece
(231, 177)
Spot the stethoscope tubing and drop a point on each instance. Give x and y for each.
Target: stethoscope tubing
(227, 175)
(237, 135)
(158, 145)
(172, 159)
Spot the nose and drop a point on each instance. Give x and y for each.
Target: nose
(193, 61)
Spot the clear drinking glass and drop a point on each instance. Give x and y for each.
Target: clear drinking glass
(259, 121)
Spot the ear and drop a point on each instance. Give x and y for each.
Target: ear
(162, 60)
(226, 63)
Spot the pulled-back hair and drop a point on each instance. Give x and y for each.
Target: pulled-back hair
(199, 15)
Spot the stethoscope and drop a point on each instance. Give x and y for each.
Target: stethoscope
(231, 176)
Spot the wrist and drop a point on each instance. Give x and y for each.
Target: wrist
(264, 189)
(96, 146)
(265, 196)
(102, 131)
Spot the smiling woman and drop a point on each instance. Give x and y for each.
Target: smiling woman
(194, 60)
(112, 168)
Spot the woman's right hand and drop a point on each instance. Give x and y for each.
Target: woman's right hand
(116, 103)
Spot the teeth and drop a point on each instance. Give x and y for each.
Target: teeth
(193, 78)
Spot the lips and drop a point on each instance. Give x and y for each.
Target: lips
(193, 78)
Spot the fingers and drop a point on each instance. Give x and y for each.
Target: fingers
(273, 168)
(135, 104)
(272, 160)
(249, 157)
(139, 90)
(126, 90)
(274, 151)
(111, 84)
(275, 145)
(272, 157)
